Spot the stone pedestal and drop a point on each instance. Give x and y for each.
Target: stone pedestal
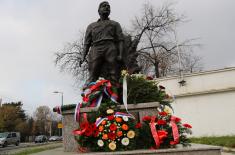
(195, 149)
(70, 145)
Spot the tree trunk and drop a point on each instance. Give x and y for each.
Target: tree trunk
(156, 66)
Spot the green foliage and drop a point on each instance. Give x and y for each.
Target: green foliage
(226, 141)
(11, 116)
(141, 90)
(145, 139)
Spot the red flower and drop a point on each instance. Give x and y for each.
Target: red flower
(93, 126)
(113, 127)
(173, 143)
(111, 136)
(84, 125)
(187, 126)
(138, 125)
(85, 99)
(177, 119)
(88, 131)
(163, 113)
(161, 87)
(161, 122)
(96, 133)
(162, 134)
(149, 78)
(146, 118)
(167, 96)
(111, 117)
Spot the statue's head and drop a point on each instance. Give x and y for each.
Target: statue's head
(104, 9)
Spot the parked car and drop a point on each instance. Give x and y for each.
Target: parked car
(7, 138)
(55, 138)
(40, 139)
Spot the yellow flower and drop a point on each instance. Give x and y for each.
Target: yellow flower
(112, 146)
(131, 134)
(109, 111)
(124, 73)
(168, 110)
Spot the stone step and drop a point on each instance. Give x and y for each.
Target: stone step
(194, 149)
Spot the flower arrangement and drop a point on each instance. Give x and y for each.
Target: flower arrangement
(85, 135)
(93, 93)
(117, 131)
(143, 89)
(163, 131)
(114, 131)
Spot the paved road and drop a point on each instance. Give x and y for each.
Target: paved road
(11, 149)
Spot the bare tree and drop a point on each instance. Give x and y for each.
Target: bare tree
(155, 29)
(43, 117)
(191, 63)
(69, 59)
(154, 35)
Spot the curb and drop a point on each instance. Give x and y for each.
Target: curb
(226, 149)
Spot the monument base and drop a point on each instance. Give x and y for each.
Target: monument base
(194, 149)
(71, 145)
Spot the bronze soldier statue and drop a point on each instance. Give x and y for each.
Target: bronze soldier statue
(104, 46)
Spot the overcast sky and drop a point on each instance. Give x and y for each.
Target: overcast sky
(31, 31)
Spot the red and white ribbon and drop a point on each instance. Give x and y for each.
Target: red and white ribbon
(175, 131)
(154, 131)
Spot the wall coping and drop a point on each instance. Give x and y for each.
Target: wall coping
(196, 73)
(212, 91)
(137, 106)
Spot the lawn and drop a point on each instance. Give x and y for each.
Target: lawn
(225, 141)
(35, 149)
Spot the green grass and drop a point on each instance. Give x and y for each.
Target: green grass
(36, 149)
(225, 141)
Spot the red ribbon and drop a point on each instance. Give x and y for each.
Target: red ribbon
(80, 132)
(82, 149)
(175, 131)
(58, 109)
(96, 86)
(77, 114)
(154, 131)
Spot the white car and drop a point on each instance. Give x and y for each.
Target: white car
(7, 138)
(55, 138)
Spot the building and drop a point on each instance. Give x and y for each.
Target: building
(206, 101)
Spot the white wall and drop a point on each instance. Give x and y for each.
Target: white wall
(207, 101)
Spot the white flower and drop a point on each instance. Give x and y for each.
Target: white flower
(100, 143)
(100, 78)
(125, 118)
(125, 141)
